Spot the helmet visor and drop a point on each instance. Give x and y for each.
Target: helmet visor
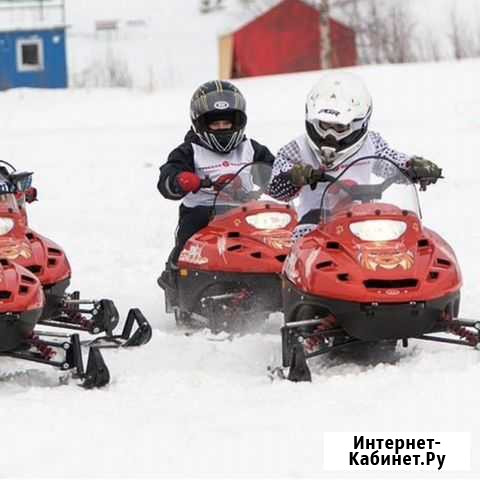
(331, 138)
(336, 130)
(337, 127)
(235, 118)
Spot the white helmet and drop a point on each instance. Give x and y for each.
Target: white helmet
(338, 110)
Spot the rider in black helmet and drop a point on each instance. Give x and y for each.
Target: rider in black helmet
(215, 145)
(216, 101)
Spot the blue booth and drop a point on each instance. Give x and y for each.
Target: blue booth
(33, 58)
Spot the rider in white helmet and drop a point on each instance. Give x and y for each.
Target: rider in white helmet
(338, 110)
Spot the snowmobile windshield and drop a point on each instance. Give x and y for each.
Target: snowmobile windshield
(368, 180)
(246, 184)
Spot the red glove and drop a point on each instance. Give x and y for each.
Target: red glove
(188, 182)
(31, 195)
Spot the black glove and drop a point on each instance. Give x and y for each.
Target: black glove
(301, 175)
(423, 171)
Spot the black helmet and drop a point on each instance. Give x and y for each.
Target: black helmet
(218, 100)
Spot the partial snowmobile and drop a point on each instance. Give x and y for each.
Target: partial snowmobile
(371, 273)
(36, 274)
(228, 273)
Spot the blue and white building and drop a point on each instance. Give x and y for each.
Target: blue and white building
(33, 44)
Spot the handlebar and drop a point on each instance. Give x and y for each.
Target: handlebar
(206, 183)
(319, 176)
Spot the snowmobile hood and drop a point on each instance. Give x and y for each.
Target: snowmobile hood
(333, 262)
(232, 243)
(20, 289)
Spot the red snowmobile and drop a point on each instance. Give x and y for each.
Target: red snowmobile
(36, 274)
(371, 273)
(228, 275)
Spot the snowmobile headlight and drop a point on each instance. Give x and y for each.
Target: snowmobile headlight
(6, 224)
(378, 230)
(269, 220)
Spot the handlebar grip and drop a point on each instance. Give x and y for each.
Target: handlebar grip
(426, 181)
(328, 178)
(319, 176)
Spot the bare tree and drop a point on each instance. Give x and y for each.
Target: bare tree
(429, 48)
(461, 40)
(207, 6)
(385, 31)
(400, 38)
(374, 31)
(108, 72)
(363, 17)
(257, 6)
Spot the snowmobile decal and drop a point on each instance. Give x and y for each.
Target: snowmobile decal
(290, 269)
(278, 239)
(17, 250)
(385, 255)
(277, 243)
(193, 255)
(222, 246)
(309, 262)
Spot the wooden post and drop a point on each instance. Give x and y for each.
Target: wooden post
(225, 46)
(325, 37)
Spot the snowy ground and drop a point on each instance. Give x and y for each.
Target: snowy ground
(185, 405)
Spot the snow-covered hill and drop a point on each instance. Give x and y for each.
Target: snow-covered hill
(186, 405)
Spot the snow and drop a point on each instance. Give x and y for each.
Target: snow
(186, 405)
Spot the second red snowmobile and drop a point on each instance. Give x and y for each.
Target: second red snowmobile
(371, 273)
(228, 273)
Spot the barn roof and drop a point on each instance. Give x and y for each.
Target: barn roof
(245, 17)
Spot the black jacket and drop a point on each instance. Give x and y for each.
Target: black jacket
(181, 159)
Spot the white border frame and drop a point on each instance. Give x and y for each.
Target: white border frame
(35, 40)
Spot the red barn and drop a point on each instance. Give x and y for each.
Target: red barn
(284, 39)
